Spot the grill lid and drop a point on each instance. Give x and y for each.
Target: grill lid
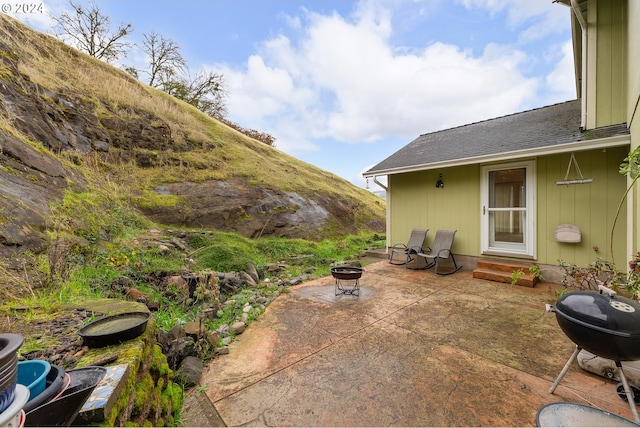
(610, 313)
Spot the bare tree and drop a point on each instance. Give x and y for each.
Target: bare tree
(90, 32)
(165, 59)
(167, 70)
(206, 92)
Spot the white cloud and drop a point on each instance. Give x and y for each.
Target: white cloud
(537, 17)
(293, 21)
(561, 81)
(344, 80)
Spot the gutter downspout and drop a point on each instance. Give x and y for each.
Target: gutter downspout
(583, 90)
(375, 180)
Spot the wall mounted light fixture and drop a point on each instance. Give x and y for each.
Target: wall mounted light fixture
(439, 183)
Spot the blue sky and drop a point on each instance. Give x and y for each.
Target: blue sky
(343, 84)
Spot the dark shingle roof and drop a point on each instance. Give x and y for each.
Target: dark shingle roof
(549, 126)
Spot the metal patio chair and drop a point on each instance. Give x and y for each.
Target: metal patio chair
(440, 250)
(409, 250)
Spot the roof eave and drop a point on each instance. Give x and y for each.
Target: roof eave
(576, 146)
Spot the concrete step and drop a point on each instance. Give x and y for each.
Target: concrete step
(380, 253)
(502, 271)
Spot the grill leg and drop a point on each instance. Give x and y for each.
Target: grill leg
(572, 358)
(629, 392)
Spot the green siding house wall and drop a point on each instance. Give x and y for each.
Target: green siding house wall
(633, 114)
(415, 202)
(607, 62)
(592, 207)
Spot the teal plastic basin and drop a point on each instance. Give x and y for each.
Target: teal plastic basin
(33, 375)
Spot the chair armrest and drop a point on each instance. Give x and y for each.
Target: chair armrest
(425, 253)
(444, 251)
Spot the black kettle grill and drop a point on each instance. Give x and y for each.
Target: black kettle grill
(607, 325)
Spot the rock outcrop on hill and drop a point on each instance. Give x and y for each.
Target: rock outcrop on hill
(255, 211)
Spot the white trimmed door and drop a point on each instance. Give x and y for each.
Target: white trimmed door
(508, 209)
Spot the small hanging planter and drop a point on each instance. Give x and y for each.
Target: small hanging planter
(579, 180)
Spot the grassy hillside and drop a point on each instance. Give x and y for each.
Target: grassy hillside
(202, 148)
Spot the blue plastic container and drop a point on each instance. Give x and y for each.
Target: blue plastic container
(54, 386)
(33, 375)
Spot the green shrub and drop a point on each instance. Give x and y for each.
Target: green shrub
(222, 252)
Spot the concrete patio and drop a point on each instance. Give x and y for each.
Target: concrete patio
(414, 349)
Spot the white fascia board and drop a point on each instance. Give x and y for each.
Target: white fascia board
(577, 146)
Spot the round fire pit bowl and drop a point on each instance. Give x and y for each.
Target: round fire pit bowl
(114, 329)
(347, 272)
(347, 279)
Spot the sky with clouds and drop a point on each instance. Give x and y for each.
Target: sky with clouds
(343, 84)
